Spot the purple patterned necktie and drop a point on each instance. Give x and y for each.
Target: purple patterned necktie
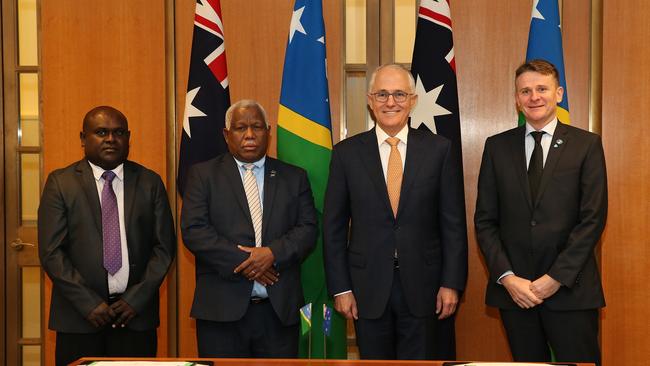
(111, 226)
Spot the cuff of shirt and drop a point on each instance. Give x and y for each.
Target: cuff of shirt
(506, 273)
(343, 293)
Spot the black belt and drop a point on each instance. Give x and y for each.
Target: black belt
(258, 300)
(112, 298)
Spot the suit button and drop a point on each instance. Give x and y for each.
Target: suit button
(395, 227)
(533, 223)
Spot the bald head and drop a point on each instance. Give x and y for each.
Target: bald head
(105, 112)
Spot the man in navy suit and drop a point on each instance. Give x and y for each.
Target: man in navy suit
(540, 211)
(395, 239)
(250, 221)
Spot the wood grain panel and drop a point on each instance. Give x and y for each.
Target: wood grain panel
(495, 34)
(576, 21)
(256, 33)
(103, 53)
(625, 244)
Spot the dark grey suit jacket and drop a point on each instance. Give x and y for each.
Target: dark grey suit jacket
(70, 245)
(555, 233)
(215, 219)
(429, 232)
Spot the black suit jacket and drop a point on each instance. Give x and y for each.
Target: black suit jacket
(71, 251)
(556, 232)
(361, 234)
(215, 219)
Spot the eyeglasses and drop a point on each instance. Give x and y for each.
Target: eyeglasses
(399, 96)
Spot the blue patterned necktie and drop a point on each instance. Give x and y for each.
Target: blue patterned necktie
(111, 226)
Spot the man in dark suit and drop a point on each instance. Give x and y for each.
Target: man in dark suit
(395, 239)
(249, 220)
(540, 211)
(106, 239)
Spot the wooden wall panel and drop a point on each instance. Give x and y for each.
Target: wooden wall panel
(496, 33)
(96, 53)
(625, 130)
(576, 21)
(256, 33)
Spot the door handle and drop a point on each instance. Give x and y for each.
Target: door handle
(18, 245)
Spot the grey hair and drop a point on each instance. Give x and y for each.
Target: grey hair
(244, 103)
(398, 67)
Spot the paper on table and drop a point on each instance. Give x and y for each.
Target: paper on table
(145, 363)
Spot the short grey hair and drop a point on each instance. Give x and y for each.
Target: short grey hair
(398, 67)
(244, 103)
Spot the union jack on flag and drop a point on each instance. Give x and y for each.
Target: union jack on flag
(208, 96)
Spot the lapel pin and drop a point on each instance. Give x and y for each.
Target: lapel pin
(272, 174)
(558, 142)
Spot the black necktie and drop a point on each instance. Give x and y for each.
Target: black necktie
(536, 164)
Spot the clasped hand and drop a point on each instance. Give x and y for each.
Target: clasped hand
(118, 314)
(527, 294)
(259, 265)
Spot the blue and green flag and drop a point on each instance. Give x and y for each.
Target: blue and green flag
(545, 42)
(305, 139)
(305, 319)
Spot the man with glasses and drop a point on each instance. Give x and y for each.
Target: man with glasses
(395, 239)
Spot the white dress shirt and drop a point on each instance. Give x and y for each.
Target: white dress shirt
(117, 282)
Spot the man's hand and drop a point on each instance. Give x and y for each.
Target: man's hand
(268, 278)
(124, 313)
(346, 304)
(544, 287)
(101, 315)
(519, 290)
(446, 302)
(257, 263)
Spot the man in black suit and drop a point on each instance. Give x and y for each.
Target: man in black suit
(540, 211)
(395, 239)
(106, 239)
(249, 220)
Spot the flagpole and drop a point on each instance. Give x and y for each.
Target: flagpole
(309, 344)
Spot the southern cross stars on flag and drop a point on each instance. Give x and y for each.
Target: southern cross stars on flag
(433, 67)
(207, 91)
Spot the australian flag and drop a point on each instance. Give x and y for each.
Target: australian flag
(208, 95)
(434, 69)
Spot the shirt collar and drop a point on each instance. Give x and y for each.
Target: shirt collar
(549, 128)
(258, 164)
(402, 135)
(98, 171)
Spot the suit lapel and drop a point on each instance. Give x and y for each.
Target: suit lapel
(413, 162)
(87, 181)
(270, 186)
(131, 176)
(560, 139)
(518, 153)
(233, 176)
(372, 163)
